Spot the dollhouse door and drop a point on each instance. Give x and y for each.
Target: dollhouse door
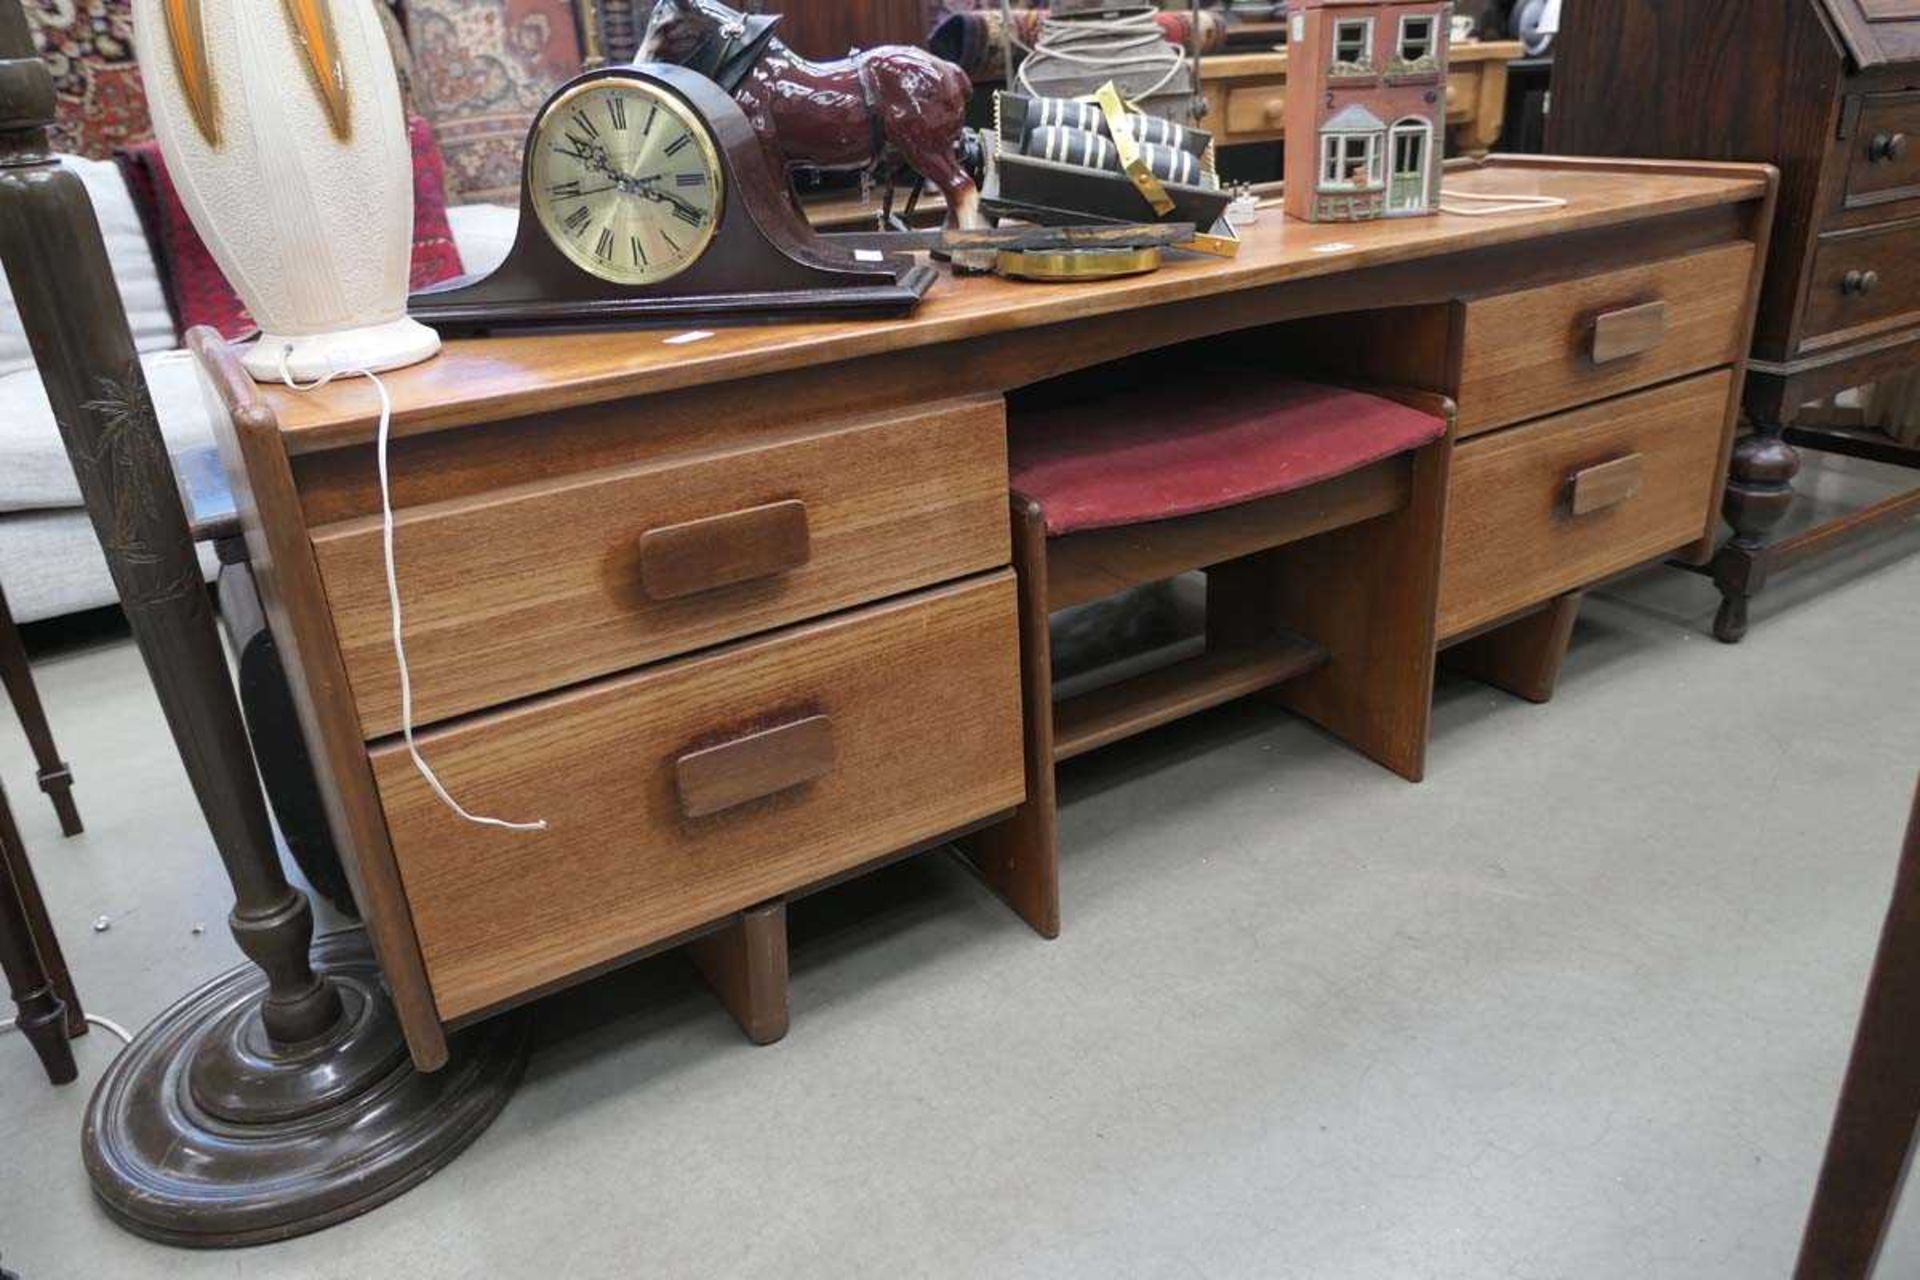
(1411, 148)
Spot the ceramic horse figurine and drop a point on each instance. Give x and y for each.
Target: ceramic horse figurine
(866, 112)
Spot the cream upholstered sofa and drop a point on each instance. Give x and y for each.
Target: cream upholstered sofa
(50, 563)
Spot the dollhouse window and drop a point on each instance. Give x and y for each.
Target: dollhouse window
(1416, 39)
(1350, 161)
(1351, 41)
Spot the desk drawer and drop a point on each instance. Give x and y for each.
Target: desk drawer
(1541, 350)
(700, 787)
(1258, 111)
(527, 590)
(1863, 279)
(1883, 166)
(1561, 503)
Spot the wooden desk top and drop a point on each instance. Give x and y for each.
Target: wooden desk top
(488, 379)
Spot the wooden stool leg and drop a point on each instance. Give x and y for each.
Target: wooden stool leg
(1369, 593)
(745, 963)
(39, 924)
(56, 779)
(1019, 859)
(1523, 656)
(42, 1014)
(1873, 1128)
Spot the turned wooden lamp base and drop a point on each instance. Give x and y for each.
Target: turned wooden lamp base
(202, 1134)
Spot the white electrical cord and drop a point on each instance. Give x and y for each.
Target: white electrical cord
(393, 590)
(105, 1024)
(1114, 45)
(1492, 204)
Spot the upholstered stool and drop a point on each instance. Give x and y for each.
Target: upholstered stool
(1316, 512)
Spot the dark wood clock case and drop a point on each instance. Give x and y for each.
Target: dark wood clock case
(764, 262)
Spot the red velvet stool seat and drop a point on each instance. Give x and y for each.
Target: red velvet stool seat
(1316, 512)
(1088, 467)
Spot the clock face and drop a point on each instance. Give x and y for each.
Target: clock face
(626, 180)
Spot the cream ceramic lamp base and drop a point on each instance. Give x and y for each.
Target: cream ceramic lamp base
(370, 349)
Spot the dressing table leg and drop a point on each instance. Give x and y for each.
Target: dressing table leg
(745, 962)
(1019, 859)
(1523, 656)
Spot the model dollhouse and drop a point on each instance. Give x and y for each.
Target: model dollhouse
(1366, 108)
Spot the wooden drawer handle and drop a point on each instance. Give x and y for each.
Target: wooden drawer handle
(715, 779)
(1607, 485)
(1629, 332)
(719, 551)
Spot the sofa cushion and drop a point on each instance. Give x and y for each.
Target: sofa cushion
(1108, 461)
(34, 471)
(52, 564)
(133, 269)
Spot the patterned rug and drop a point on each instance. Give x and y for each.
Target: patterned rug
(89, 46)
(482, 68)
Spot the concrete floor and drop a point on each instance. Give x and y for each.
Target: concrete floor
(1576, 1007)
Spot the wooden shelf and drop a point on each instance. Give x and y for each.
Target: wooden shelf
(1133, 706)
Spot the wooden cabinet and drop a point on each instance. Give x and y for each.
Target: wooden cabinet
(1828, 91)
(1247, 95)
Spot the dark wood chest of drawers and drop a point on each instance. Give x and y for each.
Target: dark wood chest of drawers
(1829, 92)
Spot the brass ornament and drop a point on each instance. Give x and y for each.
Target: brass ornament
(1065, 265)
(312, 23)
(187, 34)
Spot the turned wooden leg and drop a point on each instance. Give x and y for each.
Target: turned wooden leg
(56, 779)
(1879, 1111)
(1523, 656)
(1019, 859)
(39, 924)
(42, 1014)
(1759, 495)
(745, 962)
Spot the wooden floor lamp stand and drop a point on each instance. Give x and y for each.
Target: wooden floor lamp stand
(279, 1098)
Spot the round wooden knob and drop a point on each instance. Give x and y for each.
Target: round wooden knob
(1887, 147)
(1859, 283)
(1276, 110)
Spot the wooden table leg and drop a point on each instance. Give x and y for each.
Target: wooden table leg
(39, 923)
(42, 1014)
(1759, 495)
(745, 963)
(56, 779)
(1873, 1129)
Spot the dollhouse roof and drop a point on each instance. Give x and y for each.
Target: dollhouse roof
(1354, 119)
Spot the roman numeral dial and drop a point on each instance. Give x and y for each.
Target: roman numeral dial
(626, 180)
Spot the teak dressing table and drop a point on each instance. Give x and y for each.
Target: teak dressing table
(734, 614)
